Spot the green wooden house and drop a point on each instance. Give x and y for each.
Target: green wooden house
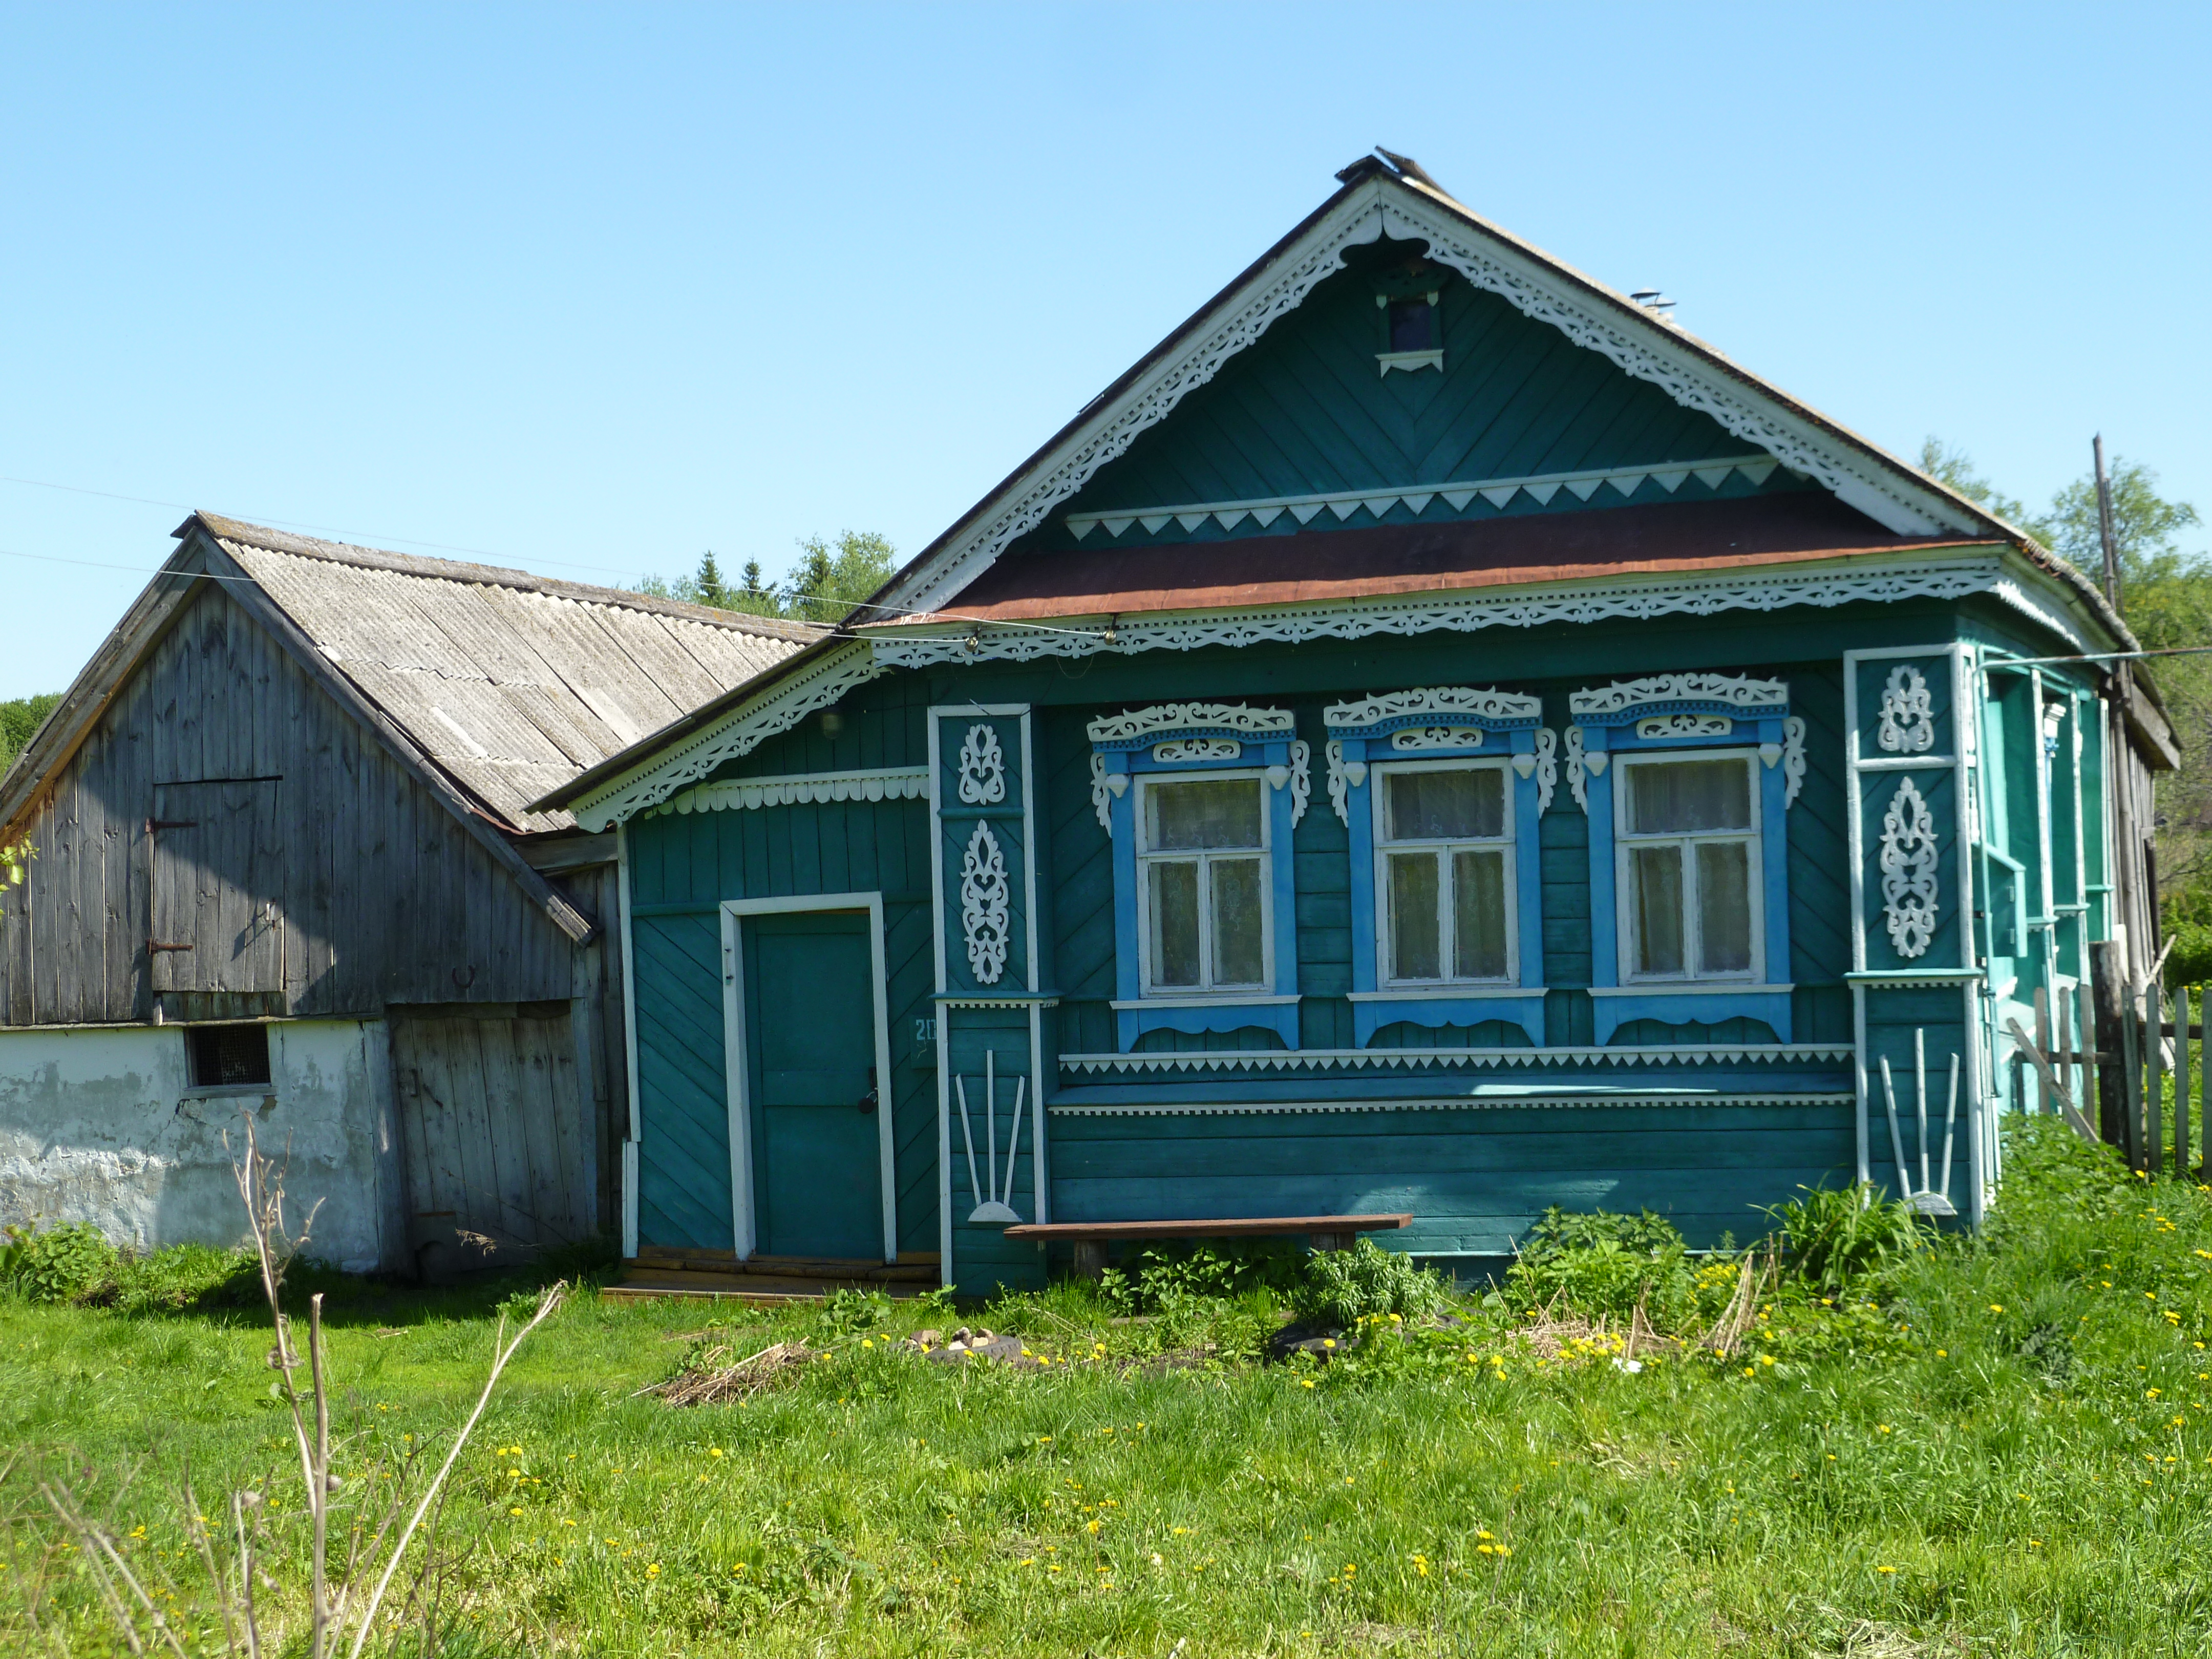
(1433, 737)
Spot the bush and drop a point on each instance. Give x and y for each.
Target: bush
(1341, 1287)
(1161, 1279)
(60, 1264)
(1605, 1263)
(1834, 1235)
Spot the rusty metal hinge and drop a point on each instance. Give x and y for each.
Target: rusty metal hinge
(153, 945)
(152, 825)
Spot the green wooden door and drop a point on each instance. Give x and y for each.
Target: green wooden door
(810, 1050)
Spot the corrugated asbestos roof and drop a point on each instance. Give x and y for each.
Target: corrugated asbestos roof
(509, 683)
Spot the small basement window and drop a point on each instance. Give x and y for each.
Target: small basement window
(227, 1056)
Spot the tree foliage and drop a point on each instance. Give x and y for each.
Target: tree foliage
(19, 720)
(829, 580)
(2166, 597)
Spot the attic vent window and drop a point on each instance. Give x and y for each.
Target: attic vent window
(227, 1056)
(1412, 330)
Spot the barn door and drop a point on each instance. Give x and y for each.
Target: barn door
(492, 1122)
(218, 887)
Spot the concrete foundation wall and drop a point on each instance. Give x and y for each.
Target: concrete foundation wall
(102, 1125)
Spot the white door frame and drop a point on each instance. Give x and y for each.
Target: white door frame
(739, 1078)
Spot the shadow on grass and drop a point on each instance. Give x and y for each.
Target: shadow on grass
(199, 1281)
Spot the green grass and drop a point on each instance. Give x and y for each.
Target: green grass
(2025, 1468)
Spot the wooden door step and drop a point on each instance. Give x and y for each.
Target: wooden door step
(862, 1272)
(764, 1288)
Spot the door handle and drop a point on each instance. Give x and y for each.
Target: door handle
(868, 1100)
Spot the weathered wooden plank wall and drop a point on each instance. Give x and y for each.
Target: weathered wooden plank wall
(386, 897)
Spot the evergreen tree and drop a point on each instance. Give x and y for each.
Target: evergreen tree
(707, 585)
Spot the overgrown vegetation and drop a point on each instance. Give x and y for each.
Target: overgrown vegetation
(1915, 1444)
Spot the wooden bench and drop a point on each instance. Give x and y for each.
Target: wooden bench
(1091, 1239)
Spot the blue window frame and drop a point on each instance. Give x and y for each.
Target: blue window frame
(1687, 780)
(1200, 800)
(1440, 789)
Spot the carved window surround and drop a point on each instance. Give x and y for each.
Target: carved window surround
(1686, 714)
(1195, 740)
(1425, 725)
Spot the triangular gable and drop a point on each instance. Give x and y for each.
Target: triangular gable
(1907, 534)
(1375, 204)
(200, 563)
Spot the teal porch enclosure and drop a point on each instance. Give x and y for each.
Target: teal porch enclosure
(813, 1093)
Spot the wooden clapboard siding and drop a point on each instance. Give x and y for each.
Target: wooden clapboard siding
(699, 859)
(1475, 1180)
(384, 896)
(1306, 411)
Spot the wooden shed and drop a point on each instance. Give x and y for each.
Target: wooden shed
(1435, 739)
(285, 861)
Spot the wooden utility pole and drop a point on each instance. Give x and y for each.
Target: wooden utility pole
(2106, 533)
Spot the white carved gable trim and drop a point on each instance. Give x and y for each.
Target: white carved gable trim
(1535, 284)
(1457, 494)
(797, 788)
(1865, 579)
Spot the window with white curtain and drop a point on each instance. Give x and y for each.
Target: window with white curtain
(1687, 846)
(1443, 875)
(1202, 868)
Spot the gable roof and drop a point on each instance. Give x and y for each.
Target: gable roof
(502, 684)
(960, 600)
(1387, 195)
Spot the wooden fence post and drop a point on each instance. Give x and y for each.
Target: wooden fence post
(2110, 989)
(2153, 1079)
(2181, 1082)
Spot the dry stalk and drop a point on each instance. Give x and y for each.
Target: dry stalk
(739, 1382)
(547, 1302)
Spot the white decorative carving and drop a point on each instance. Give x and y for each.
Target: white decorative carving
(1685, 725)
(1301, 779)
(783, 705)
(1465, 701)
(1740, 691)
(1436, 736)
(1908, 713)
(744, 794)
(984, 906)
(1535, 287)
(775, 710)
(1101, 802)
(1344, 777)
(982, 767)
(1793, 759)
(1687, 1057)
(1548, 769)
(1455, 495)
(1577, 780)
(1908, 870)
(917, 646)
(1179, 751)
(1172, 717)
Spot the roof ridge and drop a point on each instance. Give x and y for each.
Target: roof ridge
(267, 539)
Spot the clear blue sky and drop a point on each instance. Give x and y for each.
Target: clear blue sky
(591, 289)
